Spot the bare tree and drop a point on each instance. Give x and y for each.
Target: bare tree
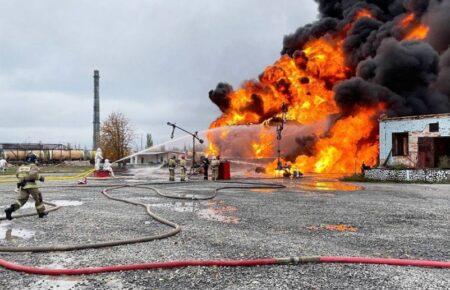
(116, 136)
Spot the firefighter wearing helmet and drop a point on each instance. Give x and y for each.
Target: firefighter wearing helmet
(183, 168)
(172, 166)
(28, 174)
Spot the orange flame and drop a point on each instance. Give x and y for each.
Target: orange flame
(304, 83)
(263, 147)
(407, 20)
(414, 30)
(212, 149)
(345, 148)
(419, 32)
(363, 13)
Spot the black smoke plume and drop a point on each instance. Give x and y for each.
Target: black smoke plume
(409, 77)
(219, 96)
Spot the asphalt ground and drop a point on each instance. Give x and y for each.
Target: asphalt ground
(313, 216)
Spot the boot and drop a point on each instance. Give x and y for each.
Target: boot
(42, 214)
(8, 213)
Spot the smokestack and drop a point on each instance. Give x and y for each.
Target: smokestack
(96, 136)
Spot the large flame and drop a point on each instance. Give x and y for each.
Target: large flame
(303, 83)
(414, 29)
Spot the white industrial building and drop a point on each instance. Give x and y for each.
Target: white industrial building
(415, 141)
(153, 157)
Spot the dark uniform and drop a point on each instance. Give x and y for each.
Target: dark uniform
(205, 165)
(28, 175)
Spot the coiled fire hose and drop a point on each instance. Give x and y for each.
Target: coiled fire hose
(176, 229)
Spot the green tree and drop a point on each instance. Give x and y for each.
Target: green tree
(149, 140)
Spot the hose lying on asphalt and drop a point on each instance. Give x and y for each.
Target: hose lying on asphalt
(222, 263)
(176, 229)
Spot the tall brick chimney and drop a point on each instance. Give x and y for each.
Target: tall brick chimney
(96, 135)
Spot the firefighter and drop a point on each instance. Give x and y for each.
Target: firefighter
(3, 165)
(107, 166)
(28, 174)
(364, 167)
(183, 168)
(98, 159)
(205, 165)
(172, 166)
(215, 163)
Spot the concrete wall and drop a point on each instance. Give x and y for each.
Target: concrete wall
(416, 127)
(420, 175)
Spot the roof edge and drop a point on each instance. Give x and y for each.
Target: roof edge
(414, 117)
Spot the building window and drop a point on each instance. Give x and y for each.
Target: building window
(400, 144)
(434, 127)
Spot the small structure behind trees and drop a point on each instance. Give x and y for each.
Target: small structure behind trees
(116, 136)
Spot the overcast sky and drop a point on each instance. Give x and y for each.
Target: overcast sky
(157, 59)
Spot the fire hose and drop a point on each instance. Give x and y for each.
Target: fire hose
(12, 178)
(176, 229)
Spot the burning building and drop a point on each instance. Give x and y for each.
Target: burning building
(360, 60)
(415, 142)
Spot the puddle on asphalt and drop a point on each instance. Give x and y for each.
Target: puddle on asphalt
(8, 232)
(312, 187)
(321, 182)
(313, 183)
(214, 211)
(63, 202)
(59, 282)
(178, 206)
(327, 186)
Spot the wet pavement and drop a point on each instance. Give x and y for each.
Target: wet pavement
(316, 215)
(11, 233)
(213, 210)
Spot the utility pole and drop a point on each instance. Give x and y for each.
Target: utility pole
(194, 138)
(280, 127)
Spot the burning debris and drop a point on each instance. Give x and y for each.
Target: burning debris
(334, 228)
(362, 59)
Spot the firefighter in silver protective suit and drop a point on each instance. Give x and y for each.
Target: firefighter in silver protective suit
(28, 174)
